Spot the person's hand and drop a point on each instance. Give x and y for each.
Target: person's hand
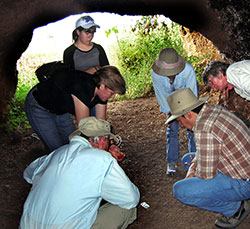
(189, 163)
(92, 70)
(191, 170)
(116, 153)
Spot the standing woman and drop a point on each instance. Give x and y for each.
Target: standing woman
(48, 104)
(83, 54)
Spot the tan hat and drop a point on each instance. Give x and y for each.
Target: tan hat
(183, 101)
(168, 63)
(94, 127)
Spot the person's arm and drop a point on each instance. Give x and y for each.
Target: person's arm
(163, 90)
(188, 79)
(92, 70)
(192, 81)
(68, 56)
(31, 170)
(103, 59)
(100, 111)
(81, 110)
(207, 155)
(117, 189)
(238, 75)
(191, 170)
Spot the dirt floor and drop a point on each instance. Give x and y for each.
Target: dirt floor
(141, 126)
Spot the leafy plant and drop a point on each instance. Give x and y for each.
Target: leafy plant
(139, 49)
(26, 67)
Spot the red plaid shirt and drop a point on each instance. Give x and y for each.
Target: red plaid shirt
(222, 143)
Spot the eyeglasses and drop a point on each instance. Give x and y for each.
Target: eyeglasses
(112, 93)
(96, 139)
(87, 31)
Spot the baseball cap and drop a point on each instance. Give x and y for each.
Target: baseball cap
(86, 22)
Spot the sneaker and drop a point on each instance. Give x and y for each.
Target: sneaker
(171, 168)
(236, 219)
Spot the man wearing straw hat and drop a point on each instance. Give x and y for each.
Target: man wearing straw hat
(69, 184)
(218, 178)
(170, 73)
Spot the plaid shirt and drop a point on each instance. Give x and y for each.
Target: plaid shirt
(222, 143)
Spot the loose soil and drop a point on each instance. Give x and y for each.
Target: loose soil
(141, 126)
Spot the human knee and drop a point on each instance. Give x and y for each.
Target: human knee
(112, 217)
(179, 191)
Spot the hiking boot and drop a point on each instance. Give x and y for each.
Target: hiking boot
(171, 168)
(236, 219)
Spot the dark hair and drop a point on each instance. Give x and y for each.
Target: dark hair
(111, 78)
(75, 35)
(212, 69)
(198, 109)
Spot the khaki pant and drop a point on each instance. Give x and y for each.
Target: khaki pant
(113, 217)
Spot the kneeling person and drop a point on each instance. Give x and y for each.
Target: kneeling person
(218, 178)
(69, 184)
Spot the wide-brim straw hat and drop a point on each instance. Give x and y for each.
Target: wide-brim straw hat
(168, 63)
(94, 127)
(182, 101)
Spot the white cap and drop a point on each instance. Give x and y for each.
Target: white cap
(86, 22)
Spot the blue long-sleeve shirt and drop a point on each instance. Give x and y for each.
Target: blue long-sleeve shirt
(69, 184)
(163, 88)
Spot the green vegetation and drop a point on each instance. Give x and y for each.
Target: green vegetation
(137, 51)
(26, 67)
(134, 55)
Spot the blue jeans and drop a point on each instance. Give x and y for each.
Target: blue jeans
(173, 144)
(92, 111)
(221, 194)
(53, 130)
(162, 90)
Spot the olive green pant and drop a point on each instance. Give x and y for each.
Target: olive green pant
(114, 217)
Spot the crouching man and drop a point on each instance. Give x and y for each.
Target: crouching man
(69, 184)
(218, 178)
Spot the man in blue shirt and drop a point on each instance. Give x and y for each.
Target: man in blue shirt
(170, 73)
(69, 184)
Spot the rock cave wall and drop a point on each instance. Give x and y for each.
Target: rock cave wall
(225, 22)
